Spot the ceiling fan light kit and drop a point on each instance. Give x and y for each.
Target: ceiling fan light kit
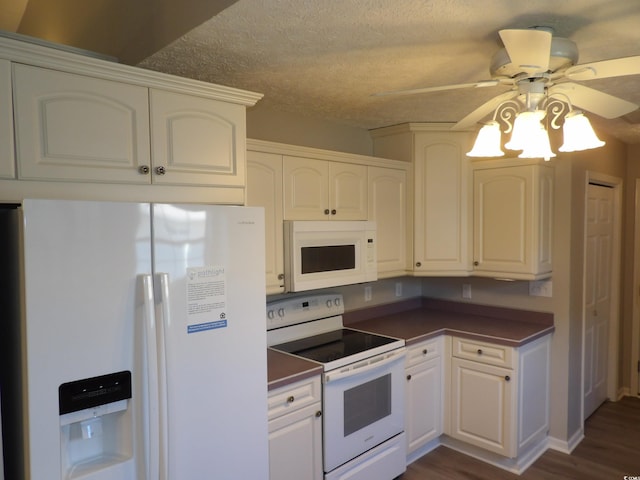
(540, 68)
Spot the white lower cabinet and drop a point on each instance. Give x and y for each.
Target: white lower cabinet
(499, 396)
(295, 431)
(423, 394)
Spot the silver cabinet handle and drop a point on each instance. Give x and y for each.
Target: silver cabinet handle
(161, 170)
(143, 169)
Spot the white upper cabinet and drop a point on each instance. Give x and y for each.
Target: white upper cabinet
(442, 226)
(73, 127)
(513, 211)
(264, 189)
(441, 192)
(388, 208)
(7, 159)
(196, 141)
(322, 190)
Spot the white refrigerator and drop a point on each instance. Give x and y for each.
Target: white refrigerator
(143, 343)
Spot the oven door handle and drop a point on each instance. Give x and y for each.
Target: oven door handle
(365, 366)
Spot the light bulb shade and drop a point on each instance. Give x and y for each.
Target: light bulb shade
(525, 125)
(538, 145)
(578, 133)
(487, 142)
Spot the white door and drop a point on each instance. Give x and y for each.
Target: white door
(599, 244)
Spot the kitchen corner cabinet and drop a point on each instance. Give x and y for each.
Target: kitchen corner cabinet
(74, 127)
(423, 394)
(7, 159)
(322, 190)
(295, 431)
(264, 189)
(513, 209)
(441, 191)
(500, 395)
(387, 189)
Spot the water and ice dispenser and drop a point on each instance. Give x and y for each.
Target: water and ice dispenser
(96, 426)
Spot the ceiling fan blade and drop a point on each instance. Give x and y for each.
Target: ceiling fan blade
(594, 101)
(480, 84)
(528, 49)
(484, 110)
(617, 67)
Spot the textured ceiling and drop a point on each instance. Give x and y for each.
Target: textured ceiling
(326, 58)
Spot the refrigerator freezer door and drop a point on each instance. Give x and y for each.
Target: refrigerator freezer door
(212, 258)
(81, 266)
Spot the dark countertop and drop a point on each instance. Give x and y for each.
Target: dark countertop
(284, 369)
(419, 319)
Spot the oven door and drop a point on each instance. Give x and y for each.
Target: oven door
(363, 406)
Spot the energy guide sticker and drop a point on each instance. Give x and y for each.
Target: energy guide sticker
(206, 298)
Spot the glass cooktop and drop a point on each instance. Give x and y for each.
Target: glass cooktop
(337, 344)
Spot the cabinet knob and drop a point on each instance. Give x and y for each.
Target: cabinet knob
(425, 351)
(290, 399)
(281, 276)
(479, 351)
(507, 378)
(418, 264)
(326, 211)
(334, 211)
(160, 170)
(475, 264)
(318, 414)
(408, 377)
(143, 169)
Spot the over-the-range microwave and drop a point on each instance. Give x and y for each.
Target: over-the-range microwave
(321, 254)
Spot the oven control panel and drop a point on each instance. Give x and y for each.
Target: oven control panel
(292, 311)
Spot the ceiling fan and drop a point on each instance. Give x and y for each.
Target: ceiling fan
(537, 65)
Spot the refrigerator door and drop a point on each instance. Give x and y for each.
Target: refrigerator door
(81, 262)
(209, 270)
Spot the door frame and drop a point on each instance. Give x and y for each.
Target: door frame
(614, 311)
(635, 310)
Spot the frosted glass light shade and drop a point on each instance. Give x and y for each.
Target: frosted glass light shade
(537, 145)
(487, 142)
(525, 125)
(578, 133)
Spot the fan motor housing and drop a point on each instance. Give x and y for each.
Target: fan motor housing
(564, 53)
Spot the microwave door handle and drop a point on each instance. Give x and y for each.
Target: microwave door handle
(390, 358)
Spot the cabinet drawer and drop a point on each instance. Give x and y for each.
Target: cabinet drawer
(423, 351)
(293, 397)
(483, 352)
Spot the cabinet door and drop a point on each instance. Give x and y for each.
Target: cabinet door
(7, 158)
(512, 221)
(482, 406)
(442, 205)
(196, 141)
(77, 128)
(347, 191)
(306, 191)
(264, 189)
(388, 208)
(423, 403)
(295, 445)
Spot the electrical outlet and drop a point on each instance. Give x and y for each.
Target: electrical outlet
(367, 293)
(398, 289)
(466, 290)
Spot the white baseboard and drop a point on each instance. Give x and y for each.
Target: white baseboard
(566, 446)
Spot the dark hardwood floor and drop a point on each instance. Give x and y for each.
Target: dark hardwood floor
(610, 450)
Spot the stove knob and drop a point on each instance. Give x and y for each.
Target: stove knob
(270, 314)
(281, 312)
(337, 301)
(329, 304)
